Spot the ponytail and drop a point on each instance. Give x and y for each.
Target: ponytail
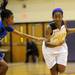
(3, 5)
(5, 13)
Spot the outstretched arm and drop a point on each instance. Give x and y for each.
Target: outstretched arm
(29, 36)
(70, 30)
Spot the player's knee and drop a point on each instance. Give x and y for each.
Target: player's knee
(61, 68)
(5, 67)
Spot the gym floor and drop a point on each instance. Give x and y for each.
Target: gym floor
(36, 69)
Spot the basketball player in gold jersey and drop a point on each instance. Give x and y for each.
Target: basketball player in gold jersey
(55, 50)
(54, 47)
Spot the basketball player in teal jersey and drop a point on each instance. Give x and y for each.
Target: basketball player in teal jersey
(6, 23)
(5, 27)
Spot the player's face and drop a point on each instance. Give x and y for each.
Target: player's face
(10, 20)
(58, 16)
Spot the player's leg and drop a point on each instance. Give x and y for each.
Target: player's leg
(54, 70)
(27, 57)
(50, 59)
(34, 58)
(61, 68)
(62, 61)
(3, 67)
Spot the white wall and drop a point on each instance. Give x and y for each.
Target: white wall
(40, 10)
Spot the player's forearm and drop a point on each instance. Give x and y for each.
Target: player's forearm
(35, 38)
(29, 36)
(71, 30)
(23, 34)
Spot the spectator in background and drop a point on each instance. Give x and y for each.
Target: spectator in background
(32, 51)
